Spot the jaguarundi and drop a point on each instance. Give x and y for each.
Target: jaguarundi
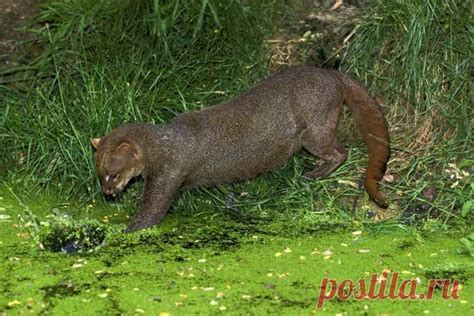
(256, 131)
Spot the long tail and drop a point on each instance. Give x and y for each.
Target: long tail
(374, 129)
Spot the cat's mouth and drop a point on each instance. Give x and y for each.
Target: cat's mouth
(112, 192)
(109, 192)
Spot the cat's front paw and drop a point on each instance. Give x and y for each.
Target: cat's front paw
(137, 225)
(132, 228)
(144, 220)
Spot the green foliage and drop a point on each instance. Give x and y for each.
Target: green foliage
(107, 62)
(418, 54)
(65, 235)
(467, 245)
(467, 208)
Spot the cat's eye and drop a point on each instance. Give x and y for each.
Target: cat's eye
(111, 177)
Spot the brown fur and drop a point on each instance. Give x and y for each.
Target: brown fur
(257, 131)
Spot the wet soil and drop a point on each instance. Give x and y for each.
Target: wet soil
(15, 17)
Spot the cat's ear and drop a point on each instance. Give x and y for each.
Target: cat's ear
(127, 149)
(95, 142)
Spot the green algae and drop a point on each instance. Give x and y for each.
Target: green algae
(213, 265)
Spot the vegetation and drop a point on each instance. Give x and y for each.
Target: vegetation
(105, 63)
(423, 67)
(210, 264)
(417, 55)
(101, 63)
(110, 62)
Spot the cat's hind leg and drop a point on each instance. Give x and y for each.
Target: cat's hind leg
(327, 148)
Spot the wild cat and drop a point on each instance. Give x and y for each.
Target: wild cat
(256, 131)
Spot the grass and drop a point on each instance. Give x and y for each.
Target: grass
(106, 63)
(103, 63)
(417, 56)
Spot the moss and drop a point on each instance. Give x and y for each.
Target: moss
(66, 235)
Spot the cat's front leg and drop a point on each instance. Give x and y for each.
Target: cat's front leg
(159, 193)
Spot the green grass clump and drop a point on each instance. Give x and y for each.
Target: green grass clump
(418, 54)
(68, 236)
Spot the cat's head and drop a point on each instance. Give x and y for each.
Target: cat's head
(117, 161)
